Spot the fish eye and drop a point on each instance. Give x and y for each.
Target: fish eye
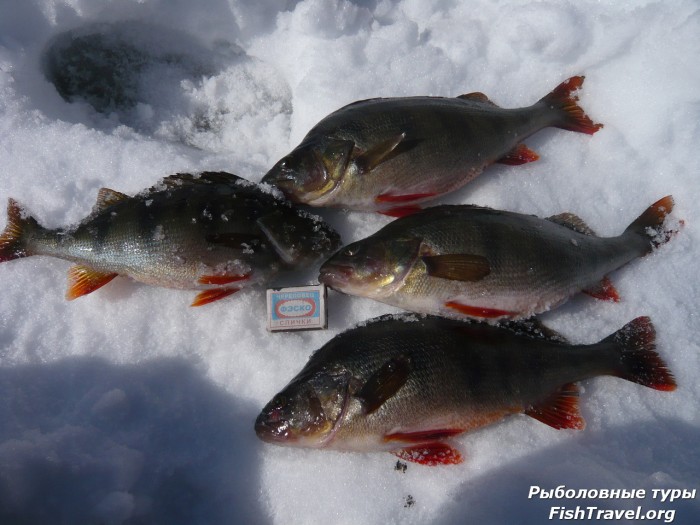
(350, 251)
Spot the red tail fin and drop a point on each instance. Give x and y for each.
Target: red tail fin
(650, 224)
(12, 239)
(573, 117)
(639, 361)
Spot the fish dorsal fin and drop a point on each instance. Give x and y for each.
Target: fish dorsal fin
(107, 197)
(206, 177)
(83, 280)
(559, 410)
(384, 383)
(465, 267)
(381, 152)
(478, 96)
(573, 222)
(534, 329)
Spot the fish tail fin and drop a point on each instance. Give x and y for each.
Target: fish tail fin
(638, 361)
(650, 224)
(13, 240)
(563, 100)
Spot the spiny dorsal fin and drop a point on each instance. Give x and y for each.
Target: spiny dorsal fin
(107, 198)
(573, 222)
(477, 96)
(206, 177)
(384, 383)
(534, 328)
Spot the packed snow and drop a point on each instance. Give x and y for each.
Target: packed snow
(127, 406)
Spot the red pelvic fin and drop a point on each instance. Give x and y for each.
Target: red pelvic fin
(639, 362)
(209, 296)
(401, 211)
(223, 279)
(432, 454)
(560, 410)
(563, 99)
(520, 154)
(478, 311)
(388, 197)
(604, 290)
(423, 435)
(83, 280)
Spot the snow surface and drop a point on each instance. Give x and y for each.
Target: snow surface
(128, 407)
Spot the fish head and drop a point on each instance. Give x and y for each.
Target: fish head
(373, 267)
(308, 412)
(312, 171)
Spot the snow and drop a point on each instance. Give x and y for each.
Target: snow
(127, 406)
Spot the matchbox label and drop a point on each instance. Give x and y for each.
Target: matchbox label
(301, 308)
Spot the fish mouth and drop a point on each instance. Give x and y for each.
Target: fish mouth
(335, 274)
(273, 431)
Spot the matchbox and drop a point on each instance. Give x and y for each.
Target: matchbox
(298, 308)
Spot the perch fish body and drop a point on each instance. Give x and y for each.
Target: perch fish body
(214, 232)
(469, 261)
(408, 384)
(391, 154)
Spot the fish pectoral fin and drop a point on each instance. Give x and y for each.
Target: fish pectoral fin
(478, 96)
(560, 410)
(604, 290)
(431, 454)
(234, 241)
(107, 198)
(573, 222)
(381, 152)
(274, 227)
(83, 280)
(209, 296)
(457, 266)
(520, 154)
(384, 383)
